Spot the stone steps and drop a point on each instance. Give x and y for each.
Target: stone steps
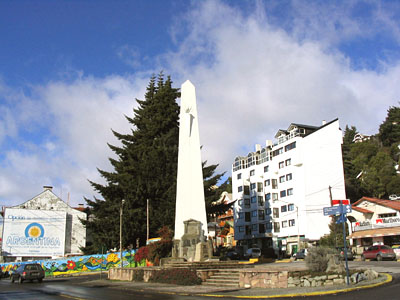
(224, 278)
(204, 265)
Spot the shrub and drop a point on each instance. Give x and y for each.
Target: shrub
(162, 248)
(176, 276)
(317, 258)
(138, 275)
(141, 254)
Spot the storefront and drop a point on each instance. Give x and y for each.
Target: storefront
(374, 221)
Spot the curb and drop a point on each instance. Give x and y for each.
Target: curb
(389, 278)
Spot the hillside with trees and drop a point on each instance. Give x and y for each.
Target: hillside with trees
(370, 166)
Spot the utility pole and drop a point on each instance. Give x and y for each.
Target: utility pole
(120, 229)
(148, 231)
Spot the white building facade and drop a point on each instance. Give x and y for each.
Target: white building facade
(281, 188)
(47, 213)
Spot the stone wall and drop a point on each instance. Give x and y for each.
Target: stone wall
(263, 279)
(308, 280)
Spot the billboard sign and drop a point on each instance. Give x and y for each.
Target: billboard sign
(34, 232)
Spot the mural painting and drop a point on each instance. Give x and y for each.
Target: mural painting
(79, 264)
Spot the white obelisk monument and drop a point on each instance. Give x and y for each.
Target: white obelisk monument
(190, 203)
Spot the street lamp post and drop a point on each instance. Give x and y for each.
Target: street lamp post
(120, 229)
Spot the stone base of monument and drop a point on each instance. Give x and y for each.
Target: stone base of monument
(192, 247)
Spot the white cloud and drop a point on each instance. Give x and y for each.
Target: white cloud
(257, 78)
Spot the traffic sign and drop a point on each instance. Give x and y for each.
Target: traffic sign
(337, 210)
(344, 202)
(332, 210)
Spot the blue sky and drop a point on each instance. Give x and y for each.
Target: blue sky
(70, 70)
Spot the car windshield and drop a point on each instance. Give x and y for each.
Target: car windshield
(385, 247)
(256, 250)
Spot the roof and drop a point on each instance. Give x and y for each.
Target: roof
(362, 210)
(376, 232)
(393, 204)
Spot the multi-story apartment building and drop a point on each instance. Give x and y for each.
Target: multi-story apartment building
(281, 188)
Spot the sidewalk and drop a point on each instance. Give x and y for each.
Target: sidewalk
(207, 291)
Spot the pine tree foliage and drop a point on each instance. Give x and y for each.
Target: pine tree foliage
(145, 167)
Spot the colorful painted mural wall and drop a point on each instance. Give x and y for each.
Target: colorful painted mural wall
(79, 264)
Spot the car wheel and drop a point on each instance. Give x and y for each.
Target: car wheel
(379, 257)
(20, 280)
(362, 257)
(12, 278)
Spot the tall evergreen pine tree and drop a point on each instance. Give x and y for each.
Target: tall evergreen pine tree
(145, 168)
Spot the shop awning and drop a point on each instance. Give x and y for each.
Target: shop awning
(375, 232)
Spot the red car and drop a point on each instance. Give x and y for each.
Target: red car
(379, 252)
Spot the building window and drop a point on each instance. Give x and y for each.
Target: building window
(239, 176)
(252, 186)
(254, 227)
(252, 172)
(266, 169)
(290, 146)
(274, 183)
(288, 162)
(267, 197)
(281, 179)
(261, 228)
(274, 196)
(275, 212)
(290, 192)
(277, 227)
(283, 194)
(283, 208)
(246, 190)
(260, 201)
(240, 202)
(269, 225)
(254, 199)
(292, 223)
(281, 164)
(284, 224)
(241, 228)
(290, 207)
(254, 213)
(241, 215)
(247, 217)
(267, 182)
(261, 215)
(259, 187)
(268, 211)
(248, 229)
(277, 152)
(240, 189)
(247, 203)
(289, 177)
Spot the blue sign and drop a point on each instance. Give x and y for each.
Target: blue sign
(332, 210)
(337, 210)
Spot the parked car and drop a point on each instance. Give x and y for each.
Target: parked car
(253, 253)
(233, 255)
(28, 272)
(350, 255)
(301, 254)
(1, 273)
(379, 252)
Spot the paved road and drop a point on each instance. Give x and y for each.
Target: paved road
(89, 287)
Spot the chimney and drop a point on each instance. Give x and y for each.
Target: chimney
(323, 122)
(258, 147)
(47, 187)
(80, 205)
